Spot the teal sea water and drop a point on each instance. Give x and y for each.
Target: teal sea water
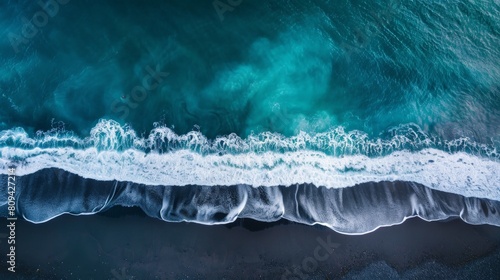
(258, 93)
(279, 66)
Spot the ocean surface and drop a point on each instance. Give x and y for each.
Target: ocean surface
(353, 115)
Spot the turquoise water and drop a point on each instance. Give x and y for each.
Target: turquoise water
(258, 93)
(279, 66)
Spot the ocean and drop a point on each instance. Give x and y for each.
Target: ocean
(352, 115)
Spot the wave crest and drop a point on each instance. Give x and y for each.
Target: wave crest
(110, 135)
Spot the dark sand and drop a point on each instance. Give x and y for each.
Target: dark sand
(125, 244)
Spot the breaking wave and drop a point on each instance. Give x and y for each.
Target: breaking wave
(335, 159)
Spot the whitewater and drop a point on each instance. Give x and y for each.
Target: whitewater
(344, 180)
(334, 160)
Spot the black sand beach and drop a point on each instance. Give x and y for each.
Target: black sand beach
(125, 244)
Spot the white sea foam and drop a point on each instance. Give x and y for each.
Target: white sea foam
(336, 159)
(109, 135)
(458, 173)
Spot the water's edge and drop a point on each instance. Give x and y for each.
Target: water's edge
(359, 209)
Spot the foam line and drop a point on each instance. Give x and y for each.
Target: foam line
(334, 159)
(458, 173)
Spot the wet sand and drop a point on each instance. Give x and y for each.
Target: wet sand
(125, 244)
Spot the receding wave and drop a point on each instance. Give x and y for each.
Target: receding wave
(49, 193)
